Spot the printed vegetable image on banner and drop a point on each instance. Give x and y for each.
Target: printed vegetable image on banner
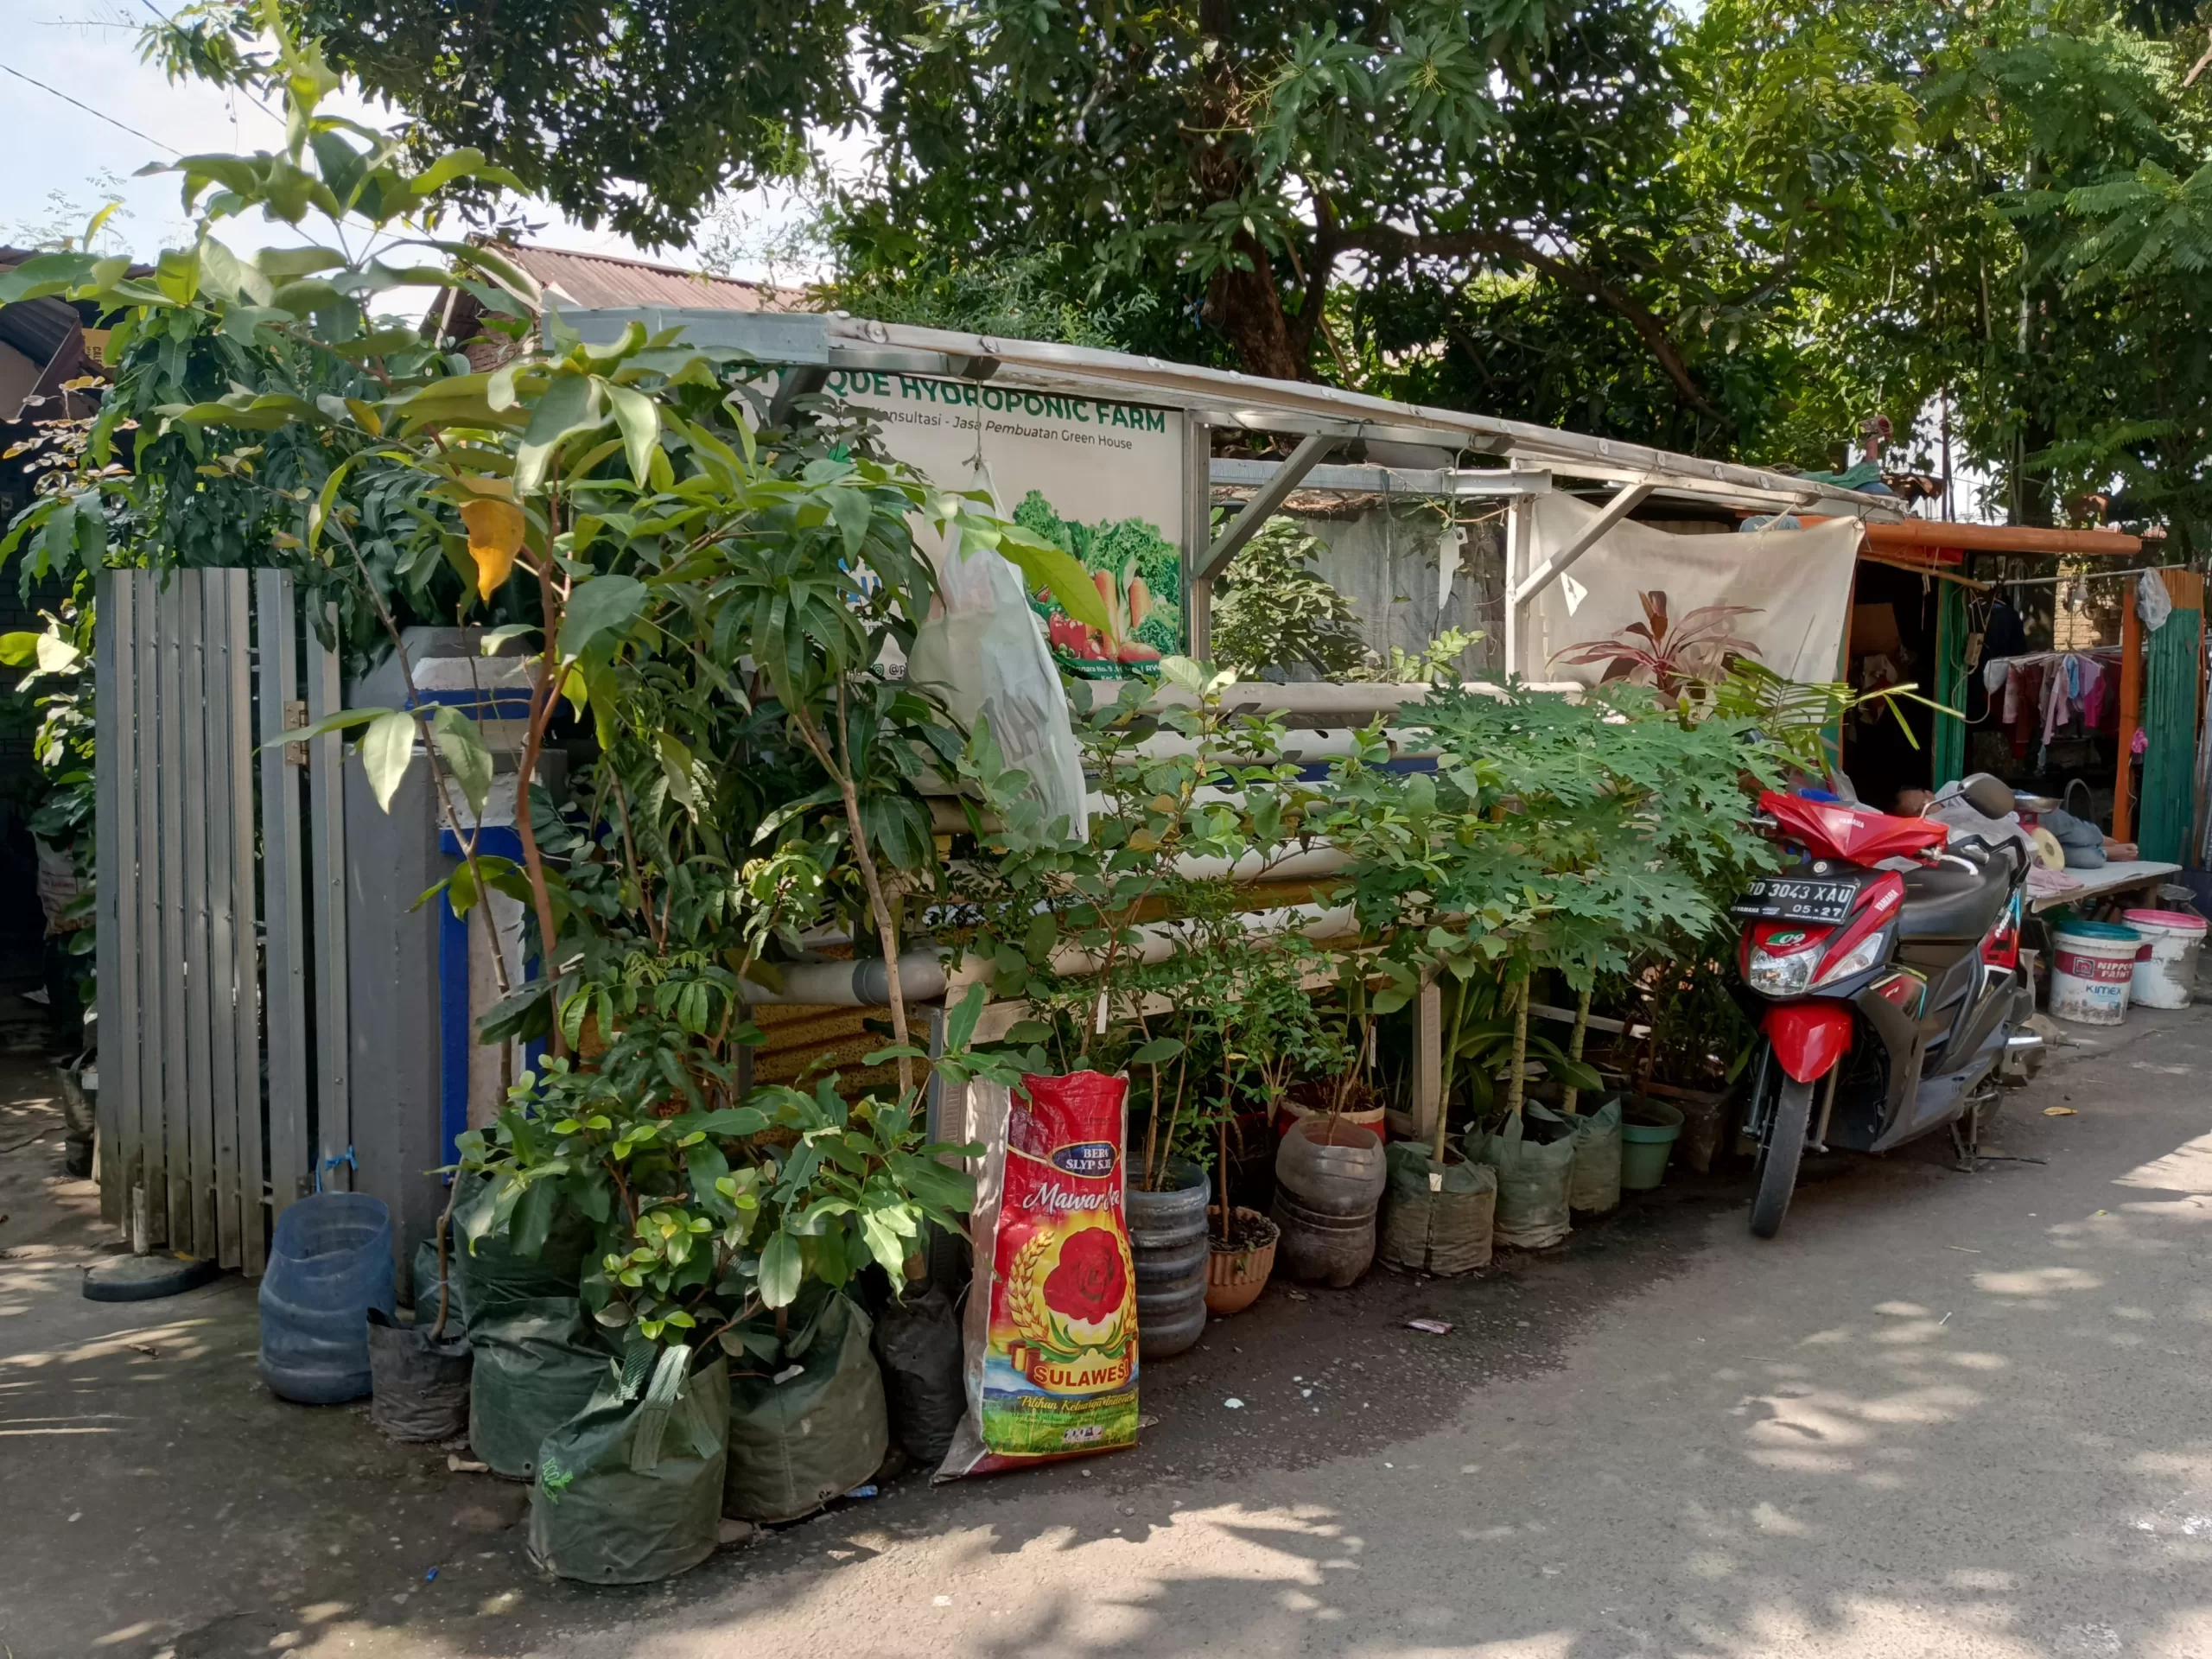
(1051, 1337)
(1101, 478)
(1139, 574)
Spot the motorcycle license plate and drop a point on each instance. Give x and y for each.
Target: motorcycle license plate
(1786, 898)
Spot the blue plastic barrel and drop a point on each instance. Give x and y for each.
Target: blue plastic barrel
(329, 1263)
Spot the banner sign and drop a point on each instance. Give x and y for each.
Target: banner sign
(1101, 478)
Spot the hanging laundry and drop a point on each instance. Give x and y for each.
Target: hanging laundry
(2023, 704)
(2006, 637)
(2058, 701)
(2095, 682)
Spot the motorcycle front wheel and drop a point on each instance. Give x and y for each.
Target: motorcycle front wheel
(1775, 1177)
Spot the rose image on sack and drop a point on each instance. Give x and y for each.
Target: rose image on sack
(1088, 1284)
(1070, 1294)
(1050, 1340)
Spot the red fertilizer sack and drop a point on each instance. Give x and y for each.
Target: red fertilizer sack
(1051, 1358)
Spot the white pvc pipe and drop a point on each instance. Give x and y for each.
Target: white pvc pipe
(924, 976)
(1355, 703)
(1158, 941)
(860, 983)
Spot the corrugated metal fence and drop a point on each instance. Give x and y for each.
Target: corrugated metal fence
(222, 922)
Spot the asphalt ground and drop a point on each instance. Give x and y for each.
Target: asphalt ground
(1944, 1414)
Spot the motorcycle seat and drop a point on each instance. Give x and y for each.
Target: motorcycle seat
(1949, 903)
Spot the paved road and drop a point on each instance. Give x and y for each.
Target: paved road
(1944, 1416)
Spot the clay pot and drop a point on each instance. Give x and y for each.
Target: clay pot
(1235, 1274)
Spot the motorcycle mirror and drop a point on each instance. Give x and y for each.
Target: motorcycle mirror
(1990, 796)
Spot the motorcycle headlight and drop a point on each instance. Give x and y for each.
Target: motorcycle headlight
(1865, 954)
(1780, 975)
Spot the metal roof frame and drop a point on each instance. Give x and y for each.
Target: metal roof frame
(1224, 398)
(807, 347)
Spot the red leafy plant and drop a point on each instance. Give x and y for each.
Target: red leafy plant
(1666, 655)
(1088, 1283)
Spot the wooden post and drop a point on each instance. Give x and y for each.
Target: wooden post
(1428, 1060)
(2131, 711)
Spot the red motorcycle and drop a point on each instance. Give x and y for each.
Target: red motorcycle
(1891, 995)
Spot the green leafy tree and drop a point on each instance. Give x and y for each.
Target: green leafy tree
(1568, 834)
(709, 594)
(1246, 163)
(1275, 612)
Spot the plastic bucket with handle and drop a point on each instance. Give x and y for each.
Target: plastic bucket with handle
(2165, 966)
(2091, 968)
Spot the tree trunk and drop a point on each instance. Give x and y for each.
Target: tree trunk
(1247, 306)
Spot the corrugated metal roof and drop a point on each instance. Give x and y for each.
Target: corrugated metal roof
(590, 282)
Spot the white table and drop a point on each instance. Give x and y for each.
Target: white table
(2119, 876)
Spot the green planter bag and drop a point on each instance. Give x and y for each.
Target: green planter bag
(539, 1363)
(1441, 1226)
(491, 1268)
(1532, 1177)
(807, 1425)
(1595, 1185)
(426, 1289)
(630, 1489)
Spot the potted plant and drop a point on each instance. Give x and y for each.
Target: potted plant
(1557, 832)
(1128, 947)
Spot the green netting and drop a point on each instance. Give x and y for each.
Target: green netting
(2170, 757)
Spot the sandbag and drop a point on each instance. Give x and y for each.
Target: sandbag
(1532, 1178)
(426, 1289)
(493, 1269)
(1594, 1184)
(1440, 1227)
(630, 1489)
(1050, 1339)
(917, 1344)
(808, 1423)
(538, 1363)
(418, 1388)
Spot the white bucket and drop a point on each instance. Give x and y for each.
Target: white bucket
(2092, 969)
(2165, 968)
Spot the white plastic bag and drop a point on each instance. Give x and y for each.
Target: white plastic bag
(2152, 602)
(984, 652)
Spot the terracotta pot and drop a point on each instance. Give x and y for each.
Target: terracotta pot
(1234, 1278)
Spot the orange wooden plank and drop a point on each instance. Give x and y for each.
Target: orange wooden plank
(2131, 710)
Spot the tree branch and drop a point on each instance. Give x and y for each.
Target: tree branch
(1503, 245)
(1320, 265)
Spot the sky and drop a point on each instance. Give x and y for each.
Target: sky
(67, 158)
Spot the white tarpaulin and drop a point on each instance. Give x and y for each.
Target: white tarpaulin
(1797, 581)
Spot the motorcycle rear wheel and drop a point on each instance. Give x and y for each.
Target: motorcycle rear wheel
(1775, 1176)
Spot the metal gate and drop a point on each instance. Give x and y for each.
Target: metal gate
(221, 951)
